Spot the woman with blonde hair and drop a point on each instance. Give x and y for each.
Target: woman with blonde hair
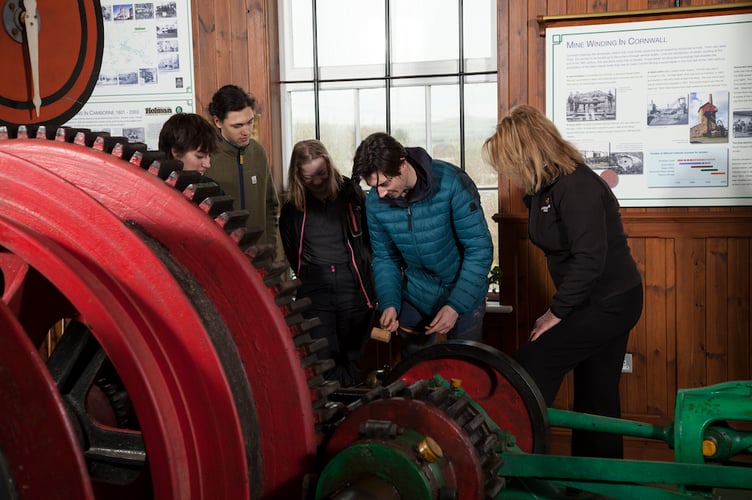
(574, 218)
(326, 243)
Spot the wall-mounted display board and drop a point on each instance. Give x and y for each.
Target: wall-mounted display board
(147, 70)
(661, 108)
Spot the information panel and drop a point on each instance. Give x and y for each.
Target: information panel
(147, 70)
(661, 109)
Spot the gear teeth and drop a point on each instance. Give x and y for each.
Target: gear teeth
(417, 390)
(274, 272)
(107, 143)
(242, 238)
(202, 190)
(492, 464)
(488, 445)
(146, 158)
(87, 137)
(438, 396)
(118, 400)
(181, 179)
(494, 487)
(371, 395)
(215, 205)
(301, 304)
(309, 360)
(286, 292)
(293, 319)
(219, 207)
(232, 220)
(68, 134)
(22, 132)
(475, 423)
(468, 417)
(315, 368)
(309, 324)
(259, 252)
(331, 412)
(393, 389)
(164, 168)
(301, 340)
(456, 408)
(322, 391)
(126, 150)
(310, 345)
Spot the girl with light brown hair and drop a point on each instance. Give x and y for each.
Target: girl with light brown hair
(322, 227)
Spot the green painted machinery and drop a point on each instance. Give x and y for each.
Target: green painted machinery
(461, 420)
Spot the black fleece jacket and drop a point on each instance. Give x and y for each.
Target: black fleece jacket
(576, 222)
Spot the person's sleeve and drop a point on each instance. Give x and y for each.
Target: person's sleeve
(387, 272)
(583, 216)
(287, 235)
(474, 238)
(272, 202)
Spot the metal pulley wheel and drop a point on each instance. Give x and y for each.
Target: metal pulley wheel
(493, 379)
(468, 400)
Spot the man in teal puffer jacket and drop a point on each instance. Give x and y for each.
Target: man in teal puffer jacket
(432, 250)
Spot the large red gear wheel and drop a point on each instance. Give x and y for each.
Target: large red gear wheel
(208, 371)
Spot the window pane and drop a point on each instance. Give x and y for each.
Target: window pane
(351, 38)
(425, 36)
(408, 108)
(444, 140)
(296, 40)
(297, 118)
(338, 126)
(479, 32)
(372, 107)
(480, 122)
(302, 115)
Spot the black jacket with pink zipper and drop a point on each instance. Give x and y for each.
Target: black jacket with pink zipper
(353, 222)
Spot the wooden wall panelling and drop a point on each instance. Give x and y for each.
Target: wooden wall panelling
(690, 312)
(617, 5)
(536, 54)
(716, 319)
(204, 51)
(263, 74)
(634, 386)
(655, 364)
(226, 51)
(236, 40)
(739, 301)
(577, 6)
(517, 51)
(503, 22)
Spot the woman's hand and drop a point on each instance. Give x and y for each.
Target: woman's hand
(543, 324)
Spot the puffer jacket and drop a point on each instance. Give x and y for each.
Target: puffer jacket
(436, 238)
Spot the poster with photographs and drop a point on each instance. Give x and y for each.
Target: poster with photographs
(147, 67)
(662, 110)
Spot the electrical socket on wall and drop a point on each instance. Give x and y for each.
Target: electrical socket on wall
(626, 367)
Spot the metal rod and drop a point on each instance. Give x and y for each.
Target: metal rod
(618, 470)
(584, 421)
